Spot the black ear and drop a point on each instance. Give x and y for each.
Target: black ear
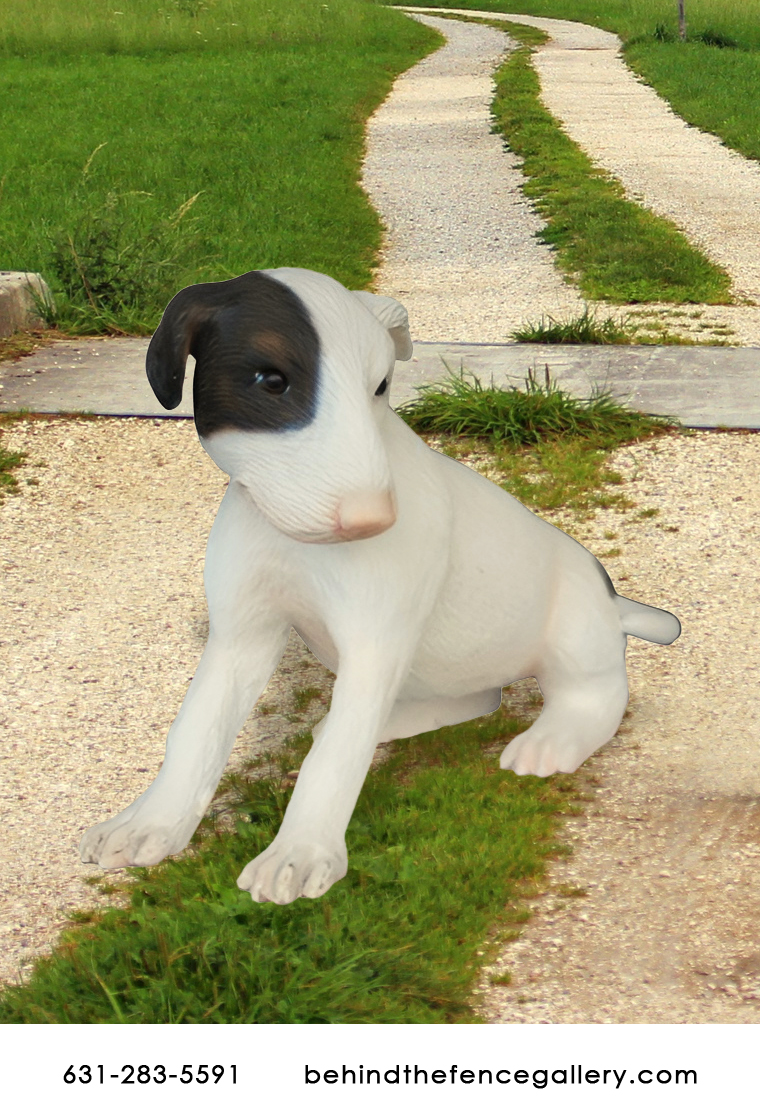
(173, 341)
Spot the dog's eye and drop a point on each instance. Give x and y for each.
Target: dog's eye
(381, 387)
(272, 381)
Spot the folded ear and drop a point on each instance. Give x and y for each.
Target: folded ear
(173, 342)
(393, 315)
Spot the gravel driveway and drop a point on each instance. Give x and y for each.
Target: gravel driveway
(434, 171)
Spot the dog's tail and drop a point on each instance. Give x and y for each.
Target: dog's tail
(649, 623)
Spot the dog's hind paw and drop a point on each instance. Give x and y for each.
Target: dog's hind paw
(540, 753)
(286, 871)
(126, 841)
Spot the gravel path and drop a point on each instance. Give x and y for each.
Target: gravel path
(461, 251)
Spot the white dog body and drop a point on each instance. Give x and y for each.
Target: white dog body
(422, 585)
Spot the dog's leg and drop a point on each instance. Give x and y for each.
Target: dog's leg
(583, 707)
(413, 717)
(229, 679)
(309, 853)
(246, 641)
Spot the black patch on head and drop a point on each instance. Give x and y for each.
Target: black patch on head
(256, 355)
(609, 584)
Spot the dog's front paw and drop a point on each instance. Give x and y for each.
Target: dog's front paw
(131, 840)
(287, 870)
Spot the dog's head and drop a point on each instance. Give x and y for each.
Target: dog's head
(292, 376)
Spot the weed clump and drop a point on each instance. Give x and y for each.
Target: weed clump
(463, 406)
(584, 329)
(715, 39)
(9, 462)
(117, 268)
(711, 38)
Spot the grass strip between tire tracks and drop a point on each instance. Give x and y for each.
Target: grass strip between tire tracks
(612, 248)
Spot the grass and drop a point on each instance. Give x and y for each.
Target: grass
(141, 153)
(710, 83)
(302, 697)
(642, 327)
(31, 27)
(584, 329)
(735, 19)
(612, 248)
(545, 447)
(444, 848)
(439, 843)
(10, 461)
(462, 405)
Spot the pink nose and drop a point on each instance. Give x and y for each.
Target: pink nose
(365, 514)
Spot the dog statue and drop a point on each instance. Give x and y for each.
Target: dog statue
(421, 584)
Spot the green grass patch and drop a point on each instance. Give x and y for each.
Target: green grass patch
(463, 405)
(10, 461)
(302, 697)
(635, 329)
(584, 329)
(549, 448)
(439, 844)
(29, 28)
(610, 247)
(133, 165)
(567, 474)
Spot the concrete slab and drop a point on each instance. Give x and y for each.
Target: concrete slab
(18, 307)
(704, 386)
(101, 375)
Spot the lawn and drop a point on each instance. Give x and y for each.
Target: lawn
(142, 153)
